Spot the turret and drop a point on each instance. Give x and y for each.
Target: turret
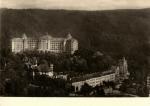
(24, 41)
(24, 36)
(69, 36)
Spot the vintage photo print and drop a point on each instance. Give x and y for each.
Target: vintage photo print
(75, 48)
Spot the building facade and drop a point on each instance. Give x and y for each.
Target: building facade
(45, 43)
(94, 80)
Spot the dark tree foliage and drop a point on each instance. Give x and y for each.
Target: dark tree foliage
(13, 77)
(49, 87)
(86, 89)
(99, 91)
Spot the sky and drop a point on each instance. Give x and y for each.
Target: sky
(76, 4)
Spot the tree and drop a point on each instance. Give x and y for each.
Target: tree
(43, 67)
(14, 76)
(99, 91)
(86, 89)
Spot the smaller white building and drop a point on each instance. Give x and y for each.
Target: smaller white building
(93, 79)
(50, 73)
(62, 76)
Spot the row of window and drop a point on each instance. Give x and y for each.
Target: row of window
(98, 80)
(94, 83)
(42, 41)
(54, 46)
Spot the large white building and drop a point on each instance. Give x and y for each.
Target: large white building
(45, 43)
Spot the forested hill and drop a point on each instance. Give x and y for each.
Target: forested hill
(112, 31)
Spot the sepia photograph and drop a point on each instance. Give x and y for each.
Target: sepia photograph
(75, 48)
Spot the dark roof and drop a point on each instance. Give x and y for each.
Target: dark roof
(89, 76)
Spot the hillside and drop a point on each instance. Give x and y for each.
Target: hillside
(116, 32)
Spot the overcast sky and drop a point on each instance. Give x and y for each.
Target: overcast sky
(76, 4)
